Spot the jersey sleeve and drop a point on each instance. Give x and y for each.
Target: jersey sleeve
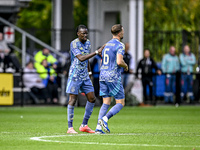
(89, 45)
(74, 49)
(121, 50)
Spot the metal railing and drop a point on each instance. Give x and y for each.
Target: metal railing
(23, 51)
(27, 35)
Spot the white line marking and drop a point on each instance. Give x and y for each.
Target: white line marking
(41, 138)
(5, 132)
(148, 134)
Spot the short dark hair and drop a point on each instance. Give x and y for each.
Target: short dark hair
(30, 62)
(44, 48)
(81, 26)
(147, 49)
(117, 28)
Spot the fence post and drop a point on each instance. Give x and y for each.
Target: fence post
(178, 87)
(23, 66)
(184, 38)
(63, 98)
(23, 50)
(22, 87)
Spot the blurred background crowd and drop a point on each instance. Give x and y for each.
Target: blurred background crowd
(158, 79)
(163, 67)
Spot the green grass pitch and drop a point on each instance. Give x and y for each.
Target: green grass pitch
(152, 128)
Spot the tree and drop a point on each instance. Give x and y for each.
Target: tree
(80, 12)
(37, 17)
(171, 15)
(171, 22)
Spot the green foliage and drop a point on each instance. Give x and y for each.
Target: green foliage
(80, 12)
(171, 15)
(159, 15)
(37, 15)
(36, 19)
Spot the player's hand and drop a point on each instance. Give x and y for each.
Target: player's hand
(126, 68)
(101, 49)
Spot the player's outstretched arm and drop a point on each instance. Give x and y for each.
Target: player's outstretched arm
(85, 57)
(121, 63)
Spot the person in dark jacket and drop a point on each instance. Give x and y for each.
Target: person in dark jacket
(147, 64)
(129, 61)
(95, 66)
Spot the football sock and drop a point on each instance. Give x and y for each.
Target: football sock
(102, 112)
(98, 127)
(114, 110)
(88, 111)
(70, 115)
(105, 119)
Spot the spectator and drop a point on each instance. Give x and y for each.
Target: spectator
(129, 61)
(8, 60)
(48, 76)
(34, 82)
(170, 65)
(187, 60)
(4, 52)
(147, 64)
(95, 67)
(45, 54)
(63, 66)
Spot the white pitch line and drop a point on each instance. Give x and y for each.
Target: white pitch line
(94, 143)
(128, 134)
